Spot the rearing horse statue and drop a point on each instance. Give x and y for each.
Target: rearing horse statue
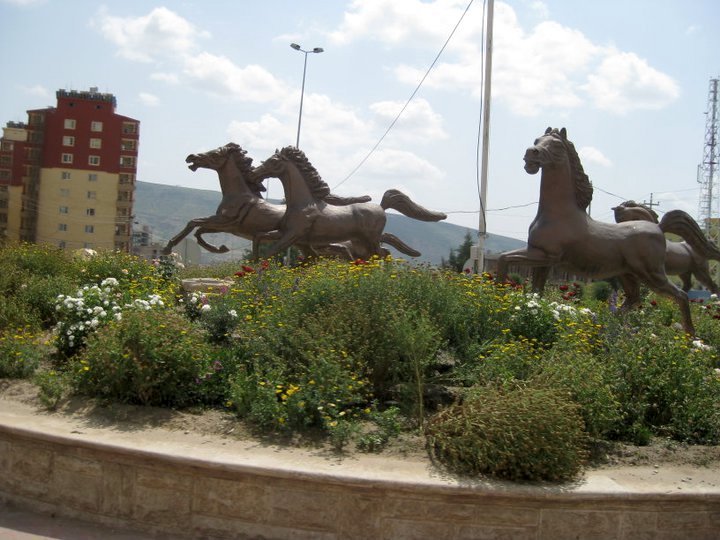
(680, 257)
(563, 233)
(245, 213)
(311, 220)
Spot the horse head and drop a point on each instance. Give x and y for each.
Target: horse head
(216, 159)
(553, 149)
(290, 164)
(632, 211)
(548, 149)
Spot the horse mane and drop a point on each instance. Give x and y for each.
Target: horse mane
(244, 164)
(318, 187)
(583, 186)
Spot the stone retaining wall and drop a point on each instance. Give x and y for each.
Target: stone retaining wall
(185, 497)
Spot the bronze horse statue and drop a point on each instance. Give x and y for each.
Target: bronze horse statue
(563, 233)
(309, 218)
(680, 257)
(245, 213)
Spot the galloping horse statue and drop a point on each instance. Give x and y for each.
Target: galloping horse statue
(563, 233)
(245, 213)
(311, 220)
(680, 257)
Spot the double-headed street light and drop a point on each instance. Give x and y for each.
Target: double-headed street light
(302, 91)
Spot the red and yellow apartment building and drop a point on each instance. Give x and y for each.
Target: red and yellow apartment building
(67, 176)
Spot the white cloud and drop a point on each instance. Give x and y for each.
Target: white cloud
(151, 37)
(590, 154)
(624, 82)
(169, 78)
(540, 9)
(37, 90)
(221, 77)
(149, 99)
(417, 123)
(546, 66)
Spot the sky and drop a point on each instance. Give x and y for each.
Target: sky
(629, 79)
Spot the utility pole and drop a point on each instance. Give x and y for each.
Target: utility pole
(707, 171)
(651, 203)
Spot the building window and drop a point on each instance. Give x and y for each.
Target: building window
(96, 126)
(126, 178)
(61, 244)
(94, 160)
(95, 143)
(92, 195)
(69, 123)
(6, 146)
(90, 212)
(65, 175)
(67, 158)
(62, 226)
(68, 140)
(128, 145)
(127, 161)
(64, 192)
(129, 128)
(63, 209)
(4, 174)
(89, 228)
(92, 177)
(87, 245)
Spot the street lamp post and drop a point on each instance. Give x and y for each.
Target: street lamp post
(302, 90)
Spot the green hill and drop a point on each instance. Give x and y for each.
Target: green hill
(166, 210)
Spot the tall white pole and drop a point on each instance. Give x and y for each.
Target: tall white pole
(482, 230)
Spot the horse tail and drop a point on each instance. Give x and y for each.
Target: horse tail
(402, 203)
(402, 247)
(681, 223)
(337, 200)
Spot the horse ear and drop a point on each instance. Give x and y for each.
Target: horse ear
(563, 133)
(548, 130)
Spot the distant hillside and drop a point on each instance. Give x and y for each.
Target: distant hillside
(166, 209)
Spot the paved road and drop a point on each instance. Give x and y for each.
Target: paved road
(18, 524)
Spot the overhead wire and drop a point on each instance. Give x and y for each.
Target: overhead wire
(407, 103)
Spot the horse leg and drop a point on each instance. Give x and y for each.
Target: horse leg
(539, 278)
(260, 238)
(201, 241)
(661, 285)
(686, 278)
(175, 240)
(525, 257)
(631, 286)
(702, 274)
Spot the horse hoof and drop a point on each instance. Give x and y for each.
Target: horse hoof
(223, 249)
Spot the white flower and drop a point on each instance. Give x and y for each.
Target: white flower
(698, 344)
(205, 307)
(118, 316)
(713, 296)
(109, 282)
(232, 313)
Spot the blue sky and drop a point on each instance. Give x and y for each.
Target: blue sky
(627, 78)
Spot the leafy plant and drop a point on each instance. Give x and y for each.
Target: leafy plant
(522, 433)
(150, 357)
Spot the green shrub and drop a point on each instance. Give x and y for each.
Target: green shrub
(21, 352)
(53, 387)
(523, 433)
(586, 381)
(600, 291)
(666, 383)
(153, 357)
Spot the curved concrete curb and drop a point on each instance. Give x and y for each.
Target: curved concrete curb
(145, 481)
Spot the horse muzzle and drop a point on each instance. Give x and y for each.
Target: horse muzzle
(191, 160)
(532, 160)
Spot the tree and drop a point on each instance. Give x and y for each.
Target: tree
(458, 255)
